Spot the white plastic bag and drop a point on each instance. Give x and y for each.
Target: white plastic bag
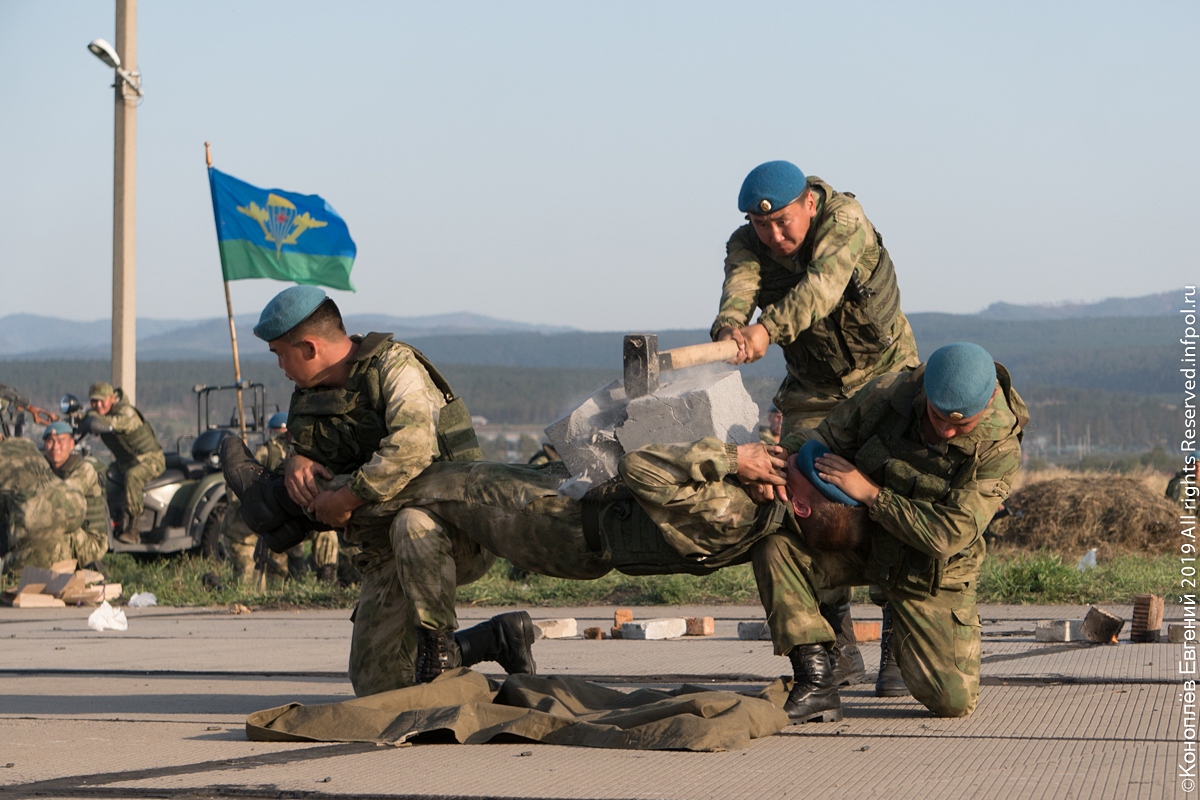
(108, 618)
(142, 600)
(1088, 561)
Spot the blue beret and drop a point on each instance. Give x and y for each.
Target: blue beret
(770, 186)
(278, 420)
(287, 310)
(54, 428)
(810, 452)
(960, 379)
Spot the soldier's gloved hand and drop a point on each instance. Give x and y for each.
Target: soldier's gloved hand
(300, 477)
(93, 423)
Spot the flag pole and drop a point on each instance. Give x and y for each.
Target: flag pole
(237, 364)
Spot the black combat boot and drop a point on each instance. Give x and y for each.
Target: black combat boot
(814, 696)
(848, 666)
(505, 638)
(436, 653)
(266, 507)
(890, 682)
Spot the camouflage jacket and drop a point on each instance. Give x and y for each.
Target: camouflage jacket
(380, 452)
(833, 339)
(690, 493)
(79, 473)
(132, 439)
(37, 503)
(273, 453)
(936, 499)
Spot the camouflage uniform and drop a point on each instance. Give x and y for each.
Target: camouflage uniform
(239, 539)
(832, 341)
(89, 542)
(672, 511)
(390, 421)
(138, 456)
(39, 509)
(927, 546)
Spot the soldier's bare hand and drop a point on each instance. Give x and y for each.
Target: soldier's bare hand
(334, 507)
(763, 493)
(736, 335)
(759, 464)
(847, 477)
(756, 340)
(300, 477)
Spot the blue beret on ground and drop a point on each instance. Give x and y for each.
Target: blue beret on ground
(960, 379)
(278, 420)
(59, 427)
(810, 452)
(770, 186)
(287, 310)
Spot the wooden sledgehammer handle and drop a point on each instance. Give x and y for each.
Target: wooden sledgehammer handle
(696, 354)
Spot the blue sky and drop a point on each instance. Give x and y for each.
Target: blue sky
(578, 164)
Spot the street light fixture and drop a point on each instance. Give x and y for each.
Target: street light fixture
(105, 52)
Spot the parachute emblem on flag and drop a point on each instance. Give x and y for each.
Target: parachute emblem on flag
(279, 221)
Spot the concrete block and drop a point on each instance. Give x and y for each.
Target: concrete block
(701, 626)
(556, 628)
(755, 630)
(662, 628)
(691, 404)
(1059, 630)
(868, 631)
(1101, 626)
(593, 633)
(1147, 618)
(1175, 632)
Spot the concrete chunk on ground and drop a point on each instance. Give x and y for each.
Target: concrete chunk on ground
(1176, 633)
(663, 628)
(593, 633)
(693, 404)
(557, 628)
(1101, 626)
(1059, 630)
(701, 626)
(754, 630)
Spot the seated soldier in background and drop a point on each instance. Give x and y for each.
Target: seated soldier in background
(137, 455)
(89, 542)
(240, 541)
(39, 510)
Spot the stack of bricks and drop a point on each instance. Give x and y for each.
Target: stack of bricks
(1147, 618)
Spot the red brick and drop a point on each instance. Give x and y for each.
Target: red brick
(701, 626)
(593, 633)
(867, 631)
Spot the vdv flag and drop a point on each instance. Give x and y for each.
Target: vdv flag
(270, 233)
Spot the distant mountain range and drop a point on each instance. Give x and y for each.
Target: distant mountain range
(1152, 305)
(29, 336)
(1117, 344)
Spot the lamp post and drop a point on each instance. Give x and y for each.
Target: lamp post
(128, 88)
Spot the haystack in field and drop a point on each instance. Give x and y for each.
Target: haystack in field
(1071, 515)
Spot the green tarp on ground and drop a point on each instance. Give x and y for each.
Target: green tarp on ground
(470, 709)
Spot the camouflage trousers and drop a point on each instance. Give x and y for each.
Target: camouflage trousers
(240, 542)
(38, 527)
(126, 484)
(937, 637)
(87, 546)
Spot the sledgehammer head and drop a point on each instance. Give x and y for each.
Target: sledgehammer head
(641, 364)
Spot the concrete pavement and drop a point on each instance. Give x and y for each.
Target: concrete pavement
(158, 711)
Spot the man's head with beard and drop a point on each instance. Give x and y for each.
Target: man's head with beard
(830, 519)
